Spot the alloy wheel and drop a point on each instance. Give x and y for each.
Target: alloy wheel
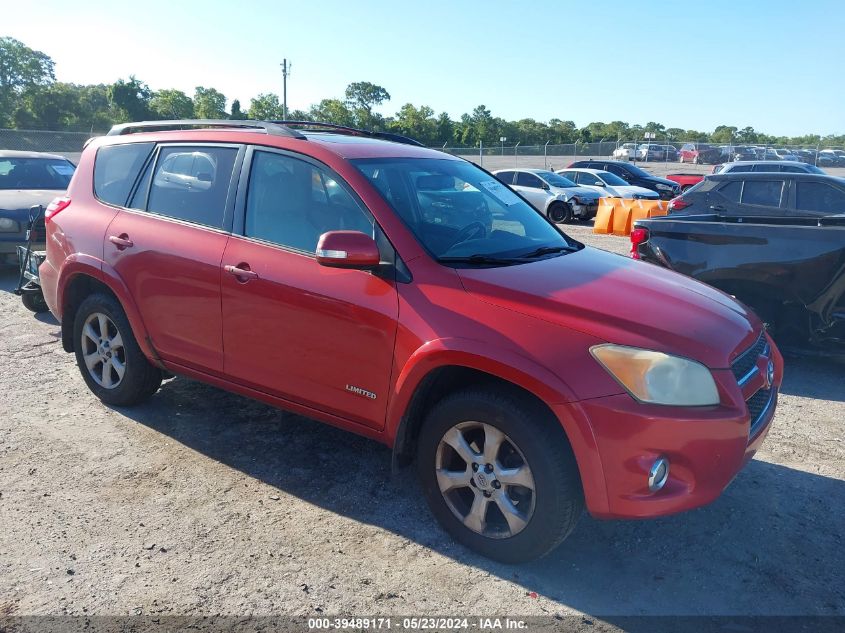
(103, 351)
(485, 480)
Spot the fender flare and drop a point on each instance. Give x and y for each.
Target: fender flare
(80, 264)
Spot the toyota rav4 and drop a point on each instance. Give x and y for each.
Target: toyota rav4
(407, 295)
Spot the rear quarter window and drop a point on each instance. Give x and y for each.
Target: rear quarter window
(116, 168)
(765, 193)
(819, 196)
(731, 191)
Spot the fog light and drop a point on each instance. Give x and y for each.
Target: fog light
(658, 474)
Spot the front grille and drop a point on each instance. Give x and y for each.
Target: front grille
(746, 361)
(758, 407)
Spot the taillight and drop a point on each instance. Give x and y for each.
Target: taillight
(57, 205)
(676, 204)
(638, 236)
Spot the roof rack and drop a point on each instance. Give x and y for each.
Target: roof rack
(268, 127)
(333, 128)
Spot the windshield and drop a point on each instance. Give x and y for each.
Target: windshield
(555, 180)
(458, 211)
(611, 179)
(35, 173)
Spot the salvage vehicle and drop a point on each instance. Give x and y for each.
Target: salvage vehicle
(552, 194)
(685, 180)
(626, 151)
(607, 185)
(631, 174)
(698, 153)
(763, 194)
(27, 179)
(790, 270)
(345, 275)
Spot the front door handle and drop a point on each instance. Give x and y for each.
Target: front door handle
(121, 241)
(241, 272)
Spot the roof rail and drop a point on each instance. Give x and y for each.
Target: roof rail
(345, 129)
(268, 127)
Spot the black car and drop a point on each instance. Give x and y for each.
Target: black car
(633, 175)
(772, 194)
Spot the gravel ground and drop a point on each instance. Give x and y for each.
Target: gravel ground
(202, 502)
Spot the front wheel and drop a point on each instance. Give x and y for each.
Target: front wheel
(109, 358)
(560, 213)
(499, 475)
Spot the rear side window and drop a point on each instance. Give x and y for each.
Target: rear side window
(732, 190)
(524, 179)
(768, 167)
(740, 168)
(819, 196)
(192, 183)
(505, 177)
(766, 193)
(115, 169)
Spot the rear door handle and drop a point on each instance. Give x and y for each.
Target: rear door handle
(241, 272)
(121, 241)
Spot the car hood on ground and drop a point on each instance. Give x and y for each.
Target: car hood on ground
(621, 301)
(23, 199)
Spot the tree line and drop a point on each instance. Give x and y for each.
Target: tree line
(31, 98)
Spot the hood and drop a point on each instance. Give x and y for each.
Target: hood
(582, 192)
(622, 301)
(656, 179)
(23, 199)
(629, 191)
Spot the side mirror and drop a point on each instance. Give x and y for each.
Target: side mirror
(545, 186)
(347, 249)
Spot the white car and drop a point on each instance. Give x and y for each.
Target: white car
(626, 151)
(607, 185)
(560, 199)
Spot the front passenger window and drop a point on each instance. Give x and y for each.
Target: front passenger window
(291, 202)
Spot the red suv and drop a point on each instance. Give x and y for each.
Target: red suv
(409, 296)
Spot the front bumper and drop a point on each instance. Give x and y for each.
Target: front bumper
(585, 211)
(706, 446)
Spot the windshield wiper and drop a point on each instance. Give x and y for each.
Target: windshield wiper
(548, 250)
(482, 259)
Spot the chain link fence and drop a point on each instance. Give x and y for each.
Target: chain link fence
(549, 156)
(68, 144)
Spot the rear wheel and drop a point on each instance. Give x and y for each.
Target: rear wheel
(499, 475)
(560, 213)
(109, 358)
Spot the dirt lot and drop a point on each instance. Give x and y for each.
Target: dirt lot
(203, 502)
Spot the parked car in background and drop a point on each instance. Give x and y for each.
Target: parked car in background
(831, 158)
(686, 180)
(526, 374)
(789, 271)
(27, 179)
(786, 154)
(670, 152)
(772, 194)
(557, 197)
(768, 166)
(806, 156)
(650, 151)
(738, 152)
(626, 151)
(699, 153)
(633, 175)
(607, 185)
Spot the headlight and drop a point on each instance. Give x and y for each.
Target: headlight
(658, 378)
(8, 225)
(663, 187)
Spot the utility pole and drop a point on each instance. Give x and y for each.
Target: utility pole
(285, 72)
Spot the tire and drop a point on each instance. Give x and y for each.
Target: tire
(542, 513)
(109, 344)
(680, 158)
(696, 160)
(560, 213)
(34, 302)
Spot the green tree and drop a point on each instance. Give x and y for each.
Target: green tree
(724, 134)
(266, 107)
(418, 123)
(132, 97)
(445, 128)
(332, 111)
(53, 107)
(209, 103)
(361, 98)
(171, 104)
(237, 113)
(21, 68)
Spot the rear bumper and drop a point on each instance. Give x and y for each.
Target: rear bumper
(706, 448)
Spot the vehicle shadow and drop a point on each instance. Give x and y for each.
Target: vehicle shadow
(772, 544)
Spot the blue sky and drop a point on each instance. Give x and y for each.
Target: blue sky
(772, 64)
